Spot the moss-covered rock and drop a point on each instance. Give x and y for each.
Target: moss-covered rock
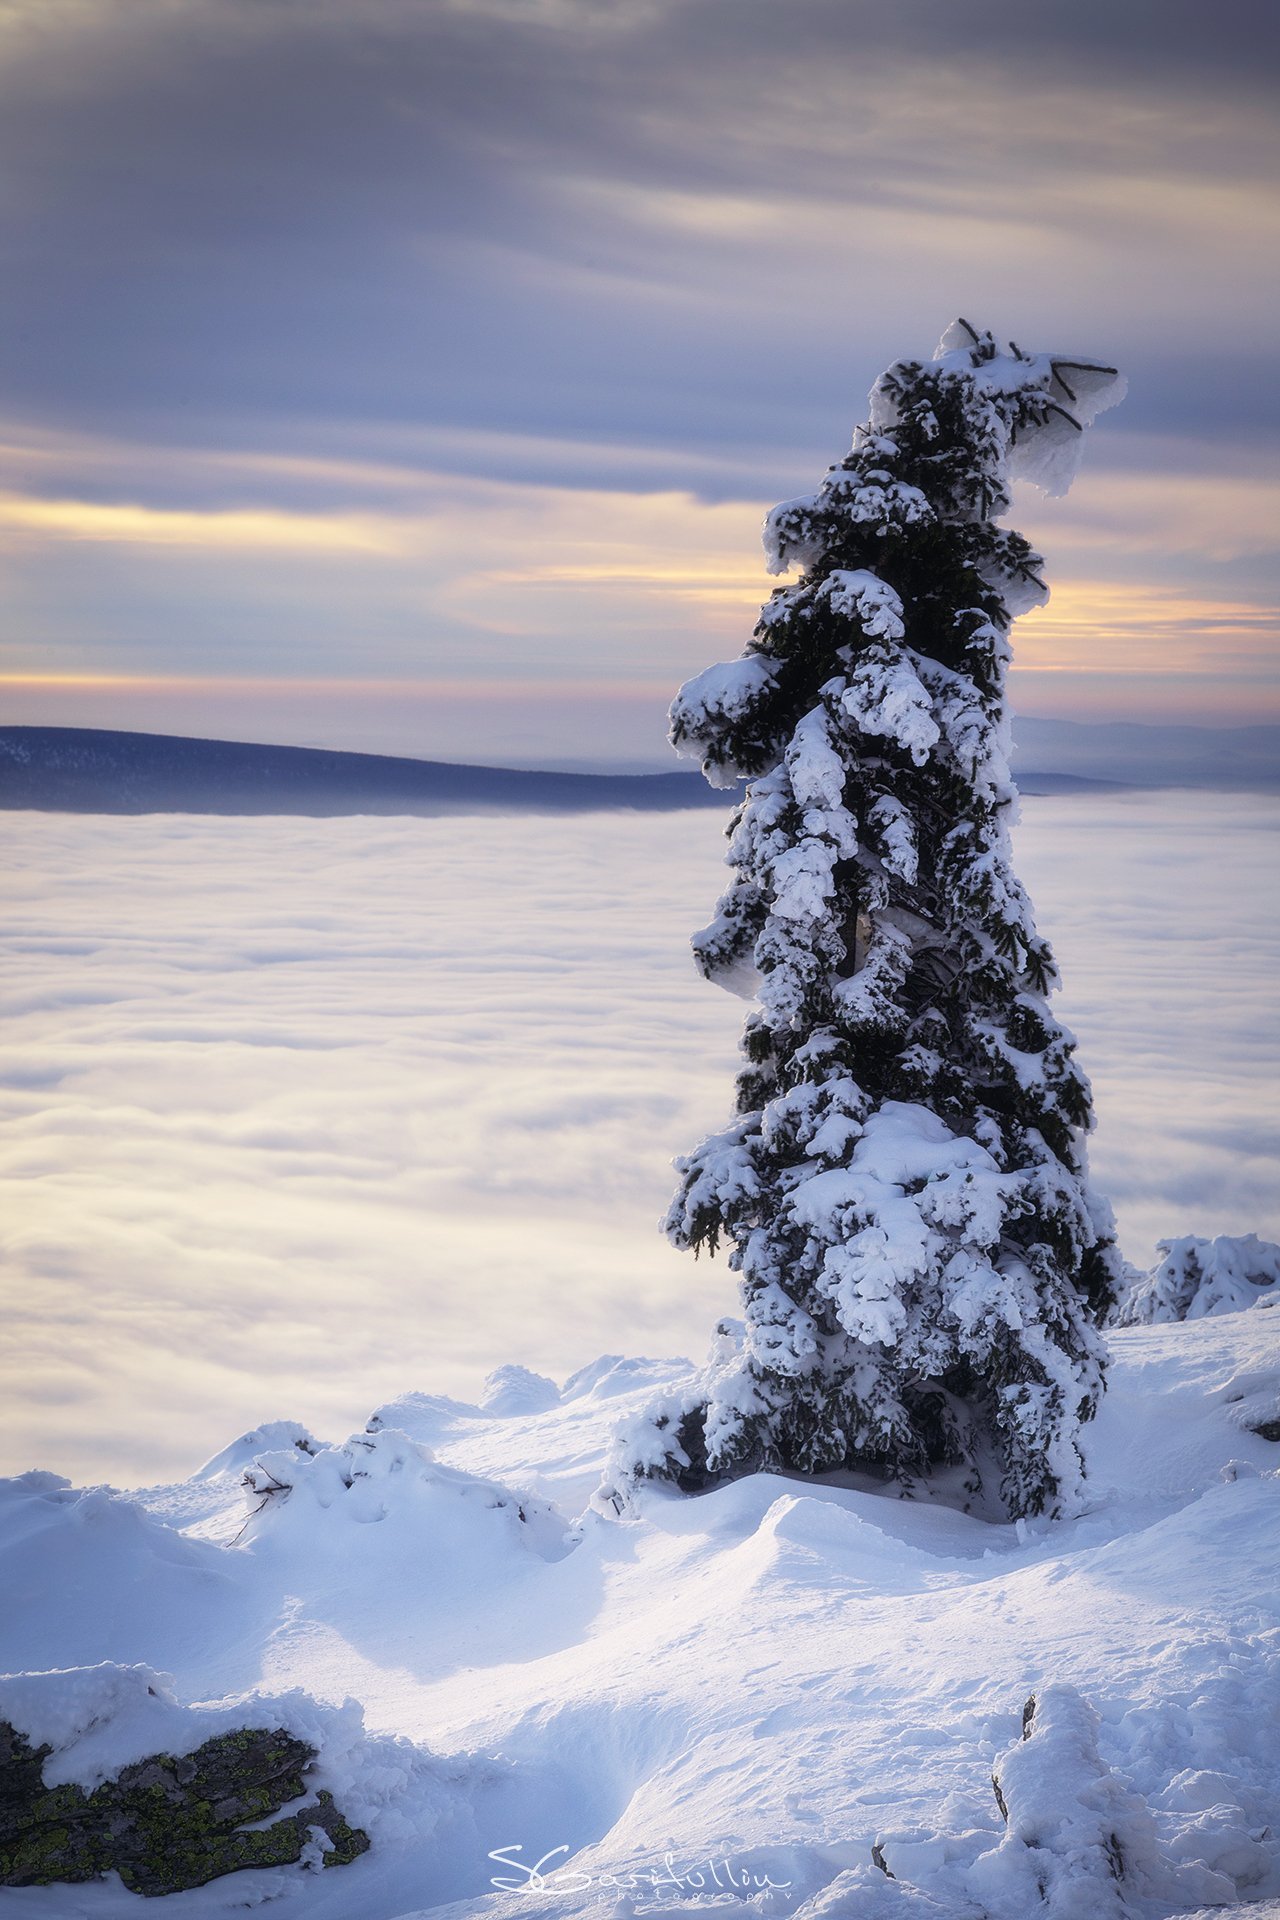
(167, 1822)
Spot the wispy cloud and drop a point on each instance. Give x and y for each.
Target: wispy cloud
(434, 576)
(1183, 514)
(1109, 626)
(440, 340)
(237, 531)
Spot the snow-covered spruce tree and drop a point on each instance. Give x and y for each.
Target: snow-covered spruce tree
(1195, 1277)
(904, 1190)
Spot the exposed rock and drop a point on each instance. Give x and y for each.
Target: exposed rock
(167, 1822)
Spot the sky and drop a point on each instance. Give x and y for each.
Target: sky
(301, 1114)
(414, 375)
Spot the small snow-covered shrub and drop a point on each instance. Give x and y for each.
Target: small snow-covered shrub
(1079, 1843)
(1078, 1839)
(1195, 1277)
(277, 1435)
(386, 1475)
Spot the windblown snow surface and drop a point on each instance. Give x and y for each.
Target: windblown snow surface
(725, 1701)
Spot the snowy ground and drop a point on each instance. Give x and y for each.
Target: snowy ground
(299, 1112)
(768, 1680)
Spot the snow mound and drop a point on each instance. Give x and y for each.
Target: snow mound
(386, 1475)
(99, 1719)
(515, 1390)
(1078, 1837)
(241, 1453)
(1079, 1842)
(1195, 1277)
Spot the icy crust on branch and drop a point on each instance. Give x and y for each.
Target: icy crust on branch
(903, 1187)
(944, 441)
(1056, 397)
(1034, 406)
(860, 596)
(713, 704)
(793, 530)
(1195, 1277)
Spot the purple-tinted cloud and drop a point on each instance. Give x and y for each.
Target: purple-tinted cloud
(319, 1079)
(259, 252)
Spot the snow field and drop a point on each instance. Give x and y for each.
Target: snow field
(768, 1680)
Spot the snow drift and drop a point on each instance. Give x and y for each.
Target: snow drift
(772, 1697)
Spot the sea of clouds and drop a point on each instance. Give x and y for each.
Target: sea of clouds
(299, 1114)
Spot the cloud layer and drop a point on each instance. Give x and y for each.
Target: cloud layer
(215, 569)
(300, 1114)
(485, 213)
(388, 340)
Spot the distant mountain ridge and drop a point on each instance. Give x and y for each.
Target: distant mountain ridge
(87, 770)
(1132, 753)
(93, 770)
